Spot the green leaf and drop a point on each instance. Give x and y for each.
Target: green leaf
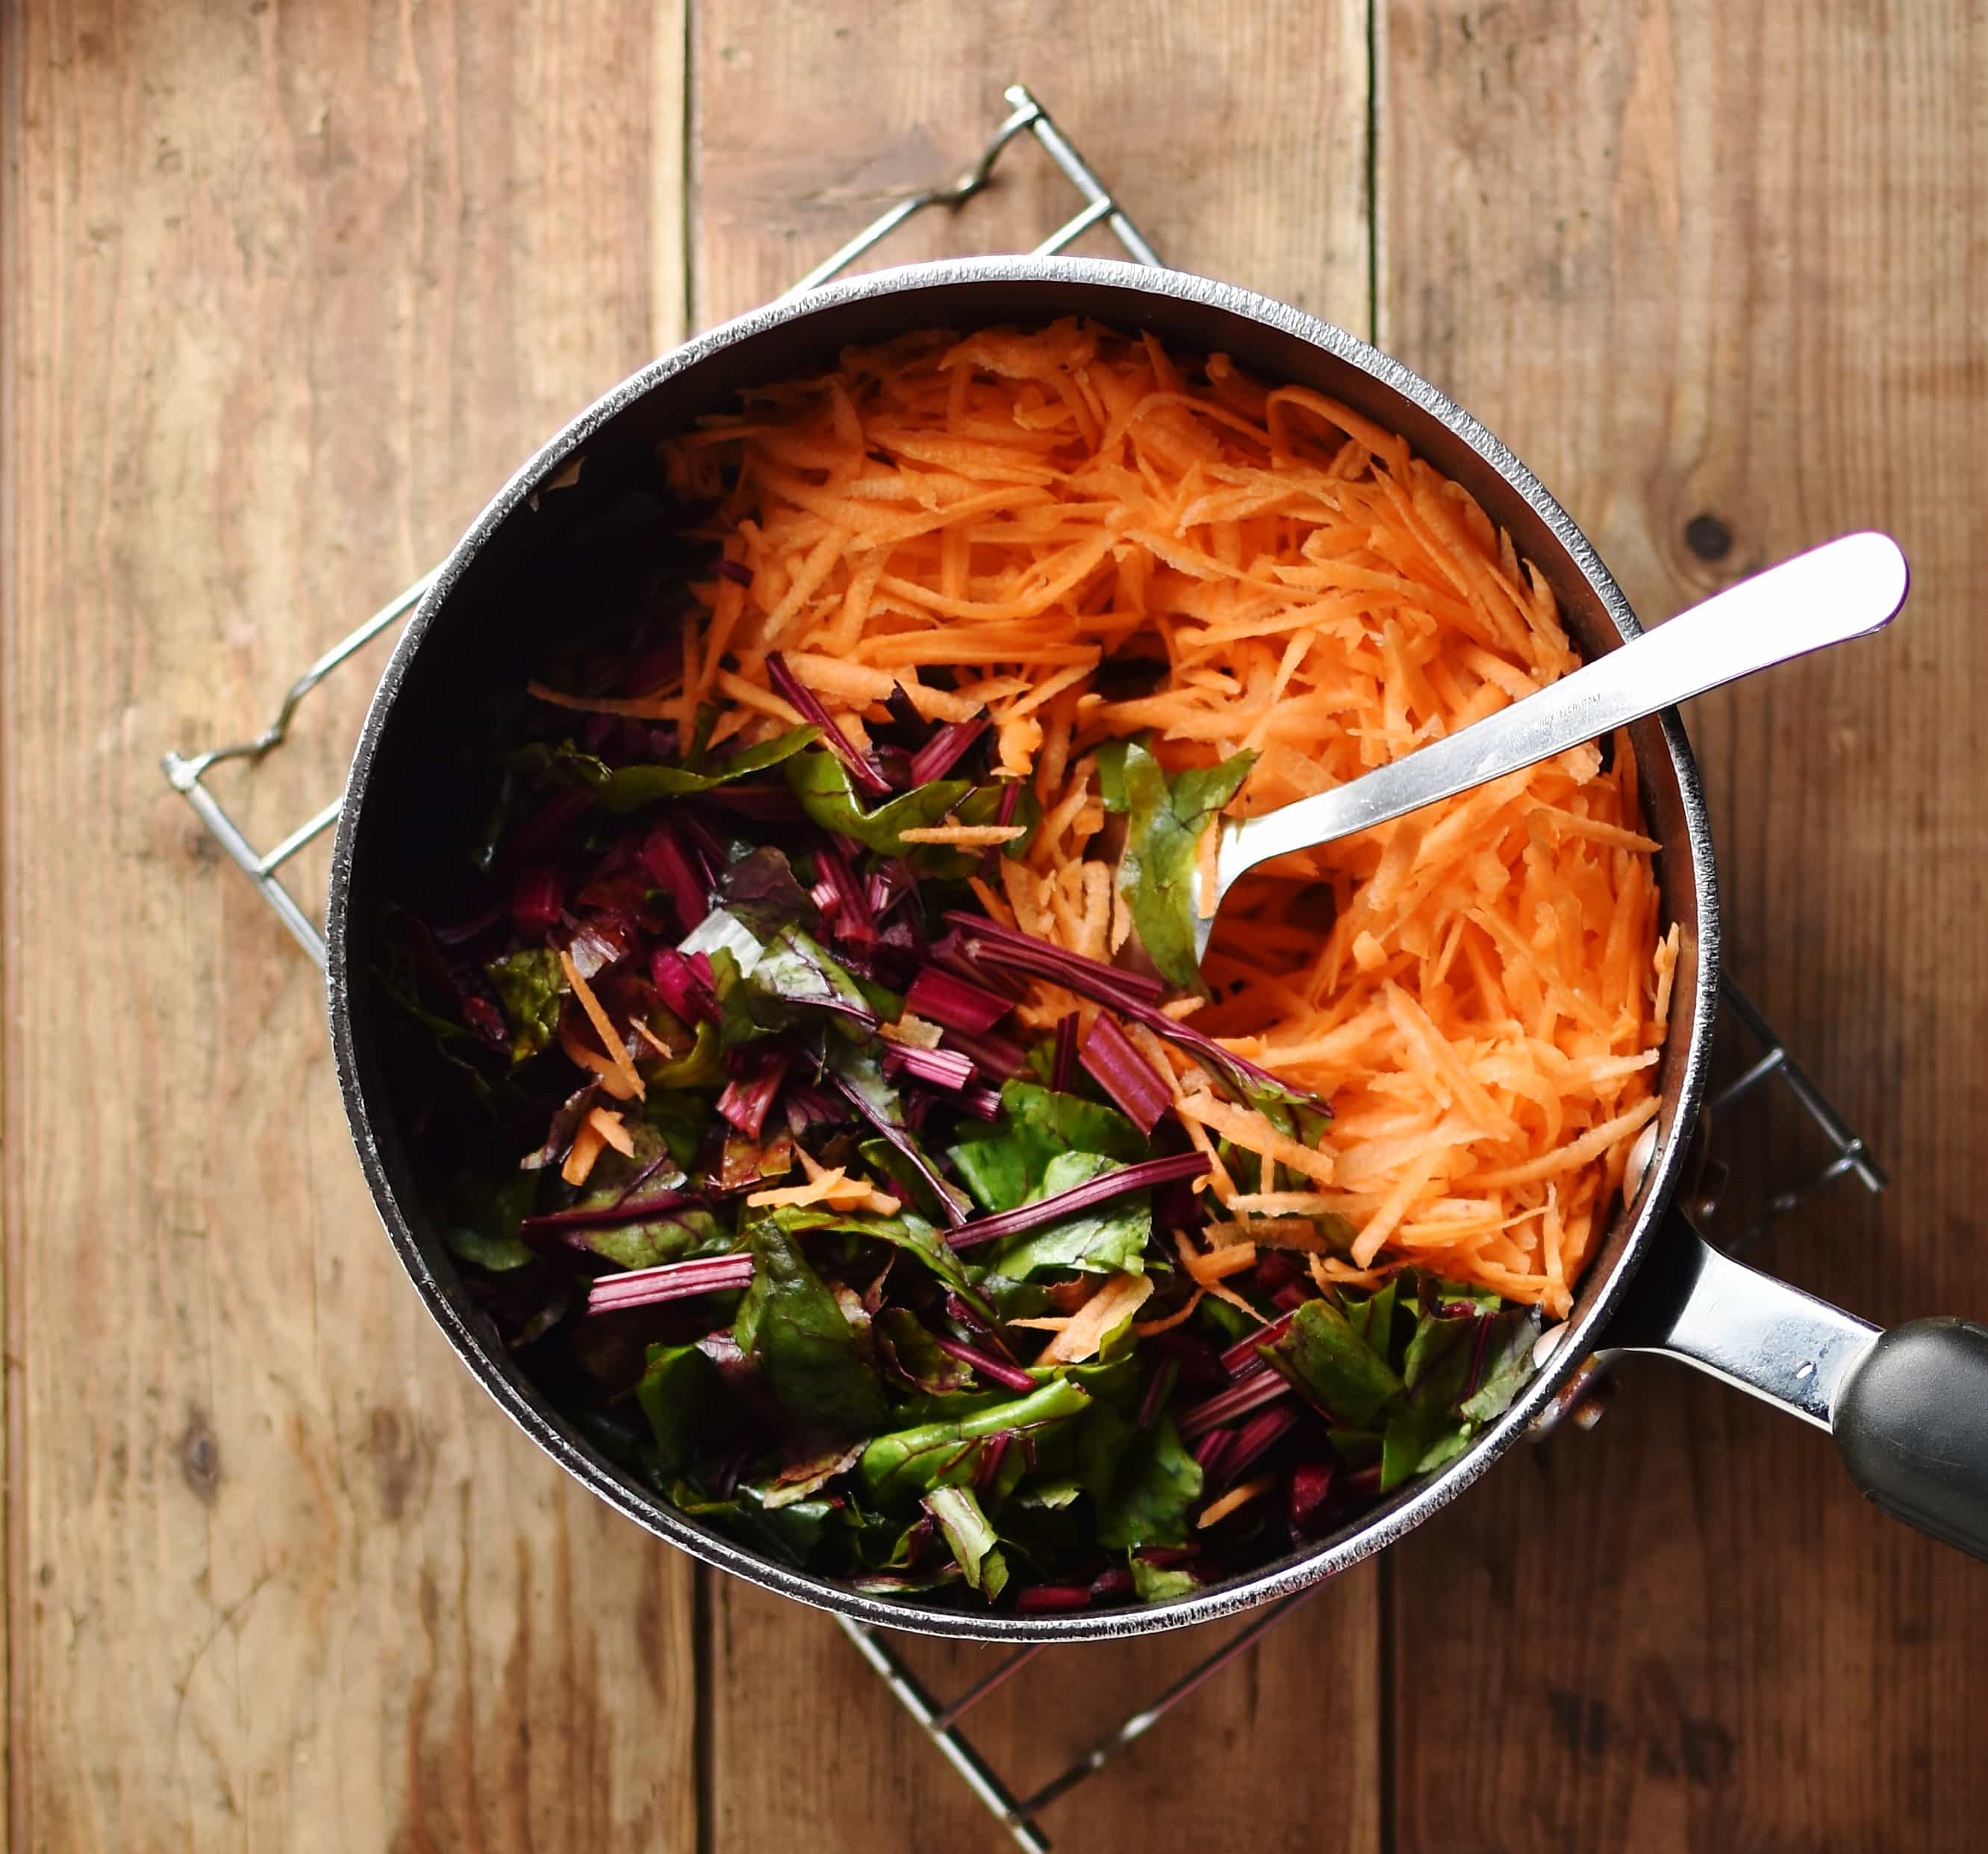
(761, 891)
(798, 1481)
(886, 1005)
(914, 1236)
(1224, 1324)
(905, 1231)
(797, 1531)
(498, 1253)
(864, 1070)
(911, 1460)
(821, 781)
(791, 1325)
(1110, 1238)
(898, 1174)
(701, 1066)
(1156, 874)
(1332, 1366)
(971, 1537)
(1357, 1448)
(563, 764)
(1434, 1422)
(793, 973)
(947, 1406)
(1420, 1434)
(795, 1534)
(858, 1064)
(672, 1236)
(1154, 1485)
(796, 969)
(999, 1166)
(531, 985)
(614, 1173)
(738, 1004)
(909, 1354)
(677, 1390)
(898, 1583)
(1160, 1583)
(626, 787)
(1111, 758)
(453, 1042)
(482, 1224)
(1507, 1366)
(1439, 1352)
(1372, 1316)
(1068, 1122)
(681, 1119)
(1003, 1161)
(483, 848)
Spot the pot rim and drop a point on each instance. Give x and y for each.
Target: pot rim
(1381, 1527)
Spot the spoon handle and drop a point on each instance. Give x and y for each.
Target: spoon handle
(1844, 589)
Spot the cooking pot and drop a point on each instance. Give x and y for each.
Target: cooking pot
(1908, 1407)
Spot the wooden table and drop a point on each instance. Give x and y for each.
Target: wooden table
(289, 290)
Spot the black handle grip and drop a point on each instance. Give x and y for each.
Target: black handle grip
(1912, 1423)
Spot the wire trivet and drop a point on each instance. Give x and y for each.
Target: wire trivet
(940, 1719)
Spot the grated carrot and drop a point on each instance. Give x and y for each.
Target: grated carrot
(604, 1026)
(1166, 1322)
(588, 1143)
(1255, 1134)
(613, 1130)
(644, 708)
(833, 1186)
(1272, 1232)
(1189, 1255)
(965, 837)
(581, 1053)
(1022, 509)
(649, 1037)
(1119, 1296)
(1218, 1509)
(1219, 1264)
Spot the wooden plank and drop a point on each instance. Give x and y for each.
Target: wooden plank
(292, 290)
(803, 1732)
(1711, 270)
(1236, 136)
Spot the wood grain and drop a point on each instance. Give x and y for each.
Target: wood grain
(290, 292)
(1712, 271)
(807, 122)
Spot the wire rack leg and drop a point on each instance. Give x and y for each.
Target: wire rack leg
(187, 773)
(979, 1776)
(1140, 1722)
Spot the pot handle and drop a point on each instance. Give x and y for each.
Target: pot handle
(1908, 1407)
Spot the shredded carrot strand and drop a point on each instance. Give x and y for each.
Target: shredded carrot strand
(613, 1130)
(587, 1145)
(1218, 1509)
(604, 1026)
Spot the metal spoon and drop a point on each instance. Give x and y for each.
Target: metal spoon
(1844, 589)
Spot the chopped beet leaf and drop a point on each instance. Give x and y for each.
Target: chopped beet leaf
(767, 1152)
